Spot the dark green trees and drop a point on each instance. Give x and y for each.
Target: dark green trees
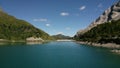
(15, 29)
(108, 32)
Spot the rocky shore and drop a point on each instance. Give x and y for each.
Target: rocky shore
(115, 48)
(116, 51)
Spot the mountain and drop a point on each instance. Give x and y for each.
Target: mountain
(108, 32)
(112, 13)
(12, 28)
(60, 36)
(105, 29)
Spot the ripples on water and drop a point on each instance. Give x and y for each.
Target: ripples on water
(56, 55)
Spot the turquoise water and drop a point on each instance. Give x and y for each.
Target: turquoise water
(56, 55)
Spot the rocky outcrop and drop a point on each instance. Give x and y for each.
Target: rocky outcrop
(112, 13)
(33, 39)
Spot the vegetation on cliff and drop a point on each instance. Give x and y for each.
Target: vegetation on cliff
(108, 32)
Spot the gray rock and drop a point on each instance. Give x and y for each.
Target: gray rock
(112, 13)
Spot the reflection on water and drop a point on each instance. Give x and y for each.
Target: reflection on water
(56, 55)
(11, 43)
(31, 43)
(2, 43)
(20, 43)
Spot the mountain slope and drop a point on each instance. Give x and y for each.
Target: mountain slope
(105, 29)
(112, 13)
(15, 29)
(108, 32)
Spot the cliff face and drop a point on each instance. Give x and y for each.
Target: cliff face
(112, 13)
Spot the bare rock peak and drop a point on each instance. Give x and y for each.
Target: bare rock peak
(112, 13)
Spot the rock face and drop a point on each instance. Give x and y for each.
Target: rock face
(33, 39)
(112, 13)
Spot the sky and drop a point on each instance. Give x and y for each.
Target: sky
(57, 16)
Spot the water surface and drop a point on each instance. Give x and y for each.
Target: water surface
(56, 55)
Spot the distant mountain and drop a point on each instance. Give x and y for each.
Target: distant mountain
(112, 13)
(105, 29)
(60, 36)
(12, 28)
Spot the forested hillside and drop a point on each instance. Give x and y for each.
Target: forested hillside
(15, 29)
(108, 32)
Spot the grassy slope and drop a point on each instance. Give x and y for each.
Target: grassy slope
(15, 29)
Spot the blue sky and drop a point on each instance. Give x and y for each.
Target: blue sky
(57, 16)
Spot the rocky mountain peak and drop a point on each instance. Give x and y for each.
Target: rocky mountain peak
(112, 13)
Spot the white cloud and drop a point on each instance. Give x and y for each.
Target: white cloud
(67, 28)
(47, 25)
(59, 32)
(64, 14)
(82, 7)
(40, 20)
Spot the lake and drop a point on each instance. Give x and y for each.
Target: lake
(56, 55)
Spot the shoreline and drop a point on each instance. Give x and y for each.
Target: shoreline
(115, 48)
(64, 40)
(3, 42)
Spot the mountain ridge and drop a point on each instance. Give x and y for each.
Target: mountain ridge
(112, 13)
(17, 29)
(61, 36)
(105, 29)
